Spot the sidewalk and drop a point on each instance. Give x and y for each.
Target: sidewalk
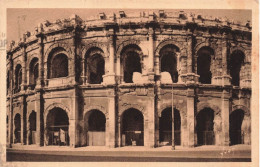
(131, 148)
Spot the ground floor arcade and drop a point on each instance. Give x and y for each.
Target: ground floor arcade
(131, 128)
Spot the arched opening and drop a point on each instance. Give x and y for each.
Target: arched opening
(204, 65)
(17, 128)
(96, 69)
(168, 59)
(131, 62)
(57, 125)
(59, 66)
(132, 128)
(95, 127)
(235, 63)
(32, 128)
(235, 123)
(95, 66)
(18, 78)
(33, 72)
(165, 127)
(58, 63)
(205, 132)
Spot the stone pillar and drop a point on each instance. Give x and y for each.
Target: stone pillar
(23, 70)
(151, 56)
(118, 69)
(191, 76)
(10, 123)
(112, 122)
(119, 132)
(40, 81)
(226, 79)
(73, 63)
(73, 121)
(246, 129)
(190, 54)
(10, 112)
(225, 107)
(38, 118)
(83, 75)
(190, 117)
(110, 77)
(28, 131)
(23, 121)
(151, 122)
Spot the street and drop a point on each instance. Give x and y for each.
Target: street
(130, 156)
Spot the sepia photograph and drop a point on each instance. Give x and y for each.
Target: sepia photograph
(129, 85)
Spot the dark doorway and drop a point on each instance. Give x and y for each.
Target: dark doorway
(203, 65)
(235, 123)
(96, 69)
(132, 64)
(96, 128)
(165, 127)
(57, 127)
(132, 128)
(234, 66)
(59, 66)
(32, 128)
(205, 133)
(169, 61)
(17, 128)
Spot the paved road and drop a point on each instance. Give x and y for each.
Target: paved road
(126, 156)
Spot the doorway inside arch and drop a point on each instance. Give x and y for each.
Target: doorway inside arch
(132, 128)
(57, 127)
(235, 123)
(95, 128)
(165, 127)
(32, 128)
(17, 128)
(205, 132)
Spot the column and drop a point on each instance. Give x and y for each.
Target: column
(151, 56)
(118, 69)
(112, 122)
(151, 122)
(10, 122)
(225, 117)
(40, 81)
(190, 117)
(10, 126)
(226, 79)
(38, 118)
(110, 77)
(23, 69)
(23, 121)
(191, 76)
(73, 121)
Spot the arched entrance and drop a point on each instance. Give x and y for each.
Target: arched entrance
(204, 64)
(17, 128)
(165, 127)
(235, 124)
(57, 126)
(132, 128)
(95, 128)
(168, 61)
(32, 128)
(131, 58)
(205, 133)
(235, 62)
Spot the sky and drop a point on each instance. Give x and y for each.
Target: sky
(20, 20)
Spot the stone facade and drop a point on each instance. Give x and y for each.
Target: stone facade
(111, 68)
